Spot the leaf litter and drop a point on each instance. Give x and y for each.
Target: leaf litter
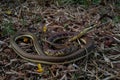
(102, 64)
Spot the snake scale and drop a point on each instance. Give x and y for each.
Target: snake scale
(41, 57)
(58, 46)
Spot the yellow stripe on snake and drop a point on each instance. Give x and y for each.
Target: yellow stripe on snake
(41, 57)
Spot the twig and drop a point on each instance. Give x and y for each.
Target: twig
(63, 77)
(108, 78)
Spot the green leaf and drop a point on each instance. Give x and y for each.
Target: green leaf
(7, 28)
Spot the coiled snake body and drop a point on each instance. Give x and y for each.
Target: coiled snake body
(58, 42)
(46, 59)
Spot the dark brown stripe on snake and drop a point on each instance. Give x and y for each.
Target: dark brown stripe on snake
(66, 49)
(41, 58)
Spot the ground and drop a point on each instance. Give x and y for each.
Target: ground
(103, 63)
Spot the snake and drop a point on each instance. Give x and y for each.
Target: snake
(41, 57)
(57, 47)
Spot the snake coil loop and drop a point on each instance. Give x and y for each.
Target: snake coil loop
(42, 58)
